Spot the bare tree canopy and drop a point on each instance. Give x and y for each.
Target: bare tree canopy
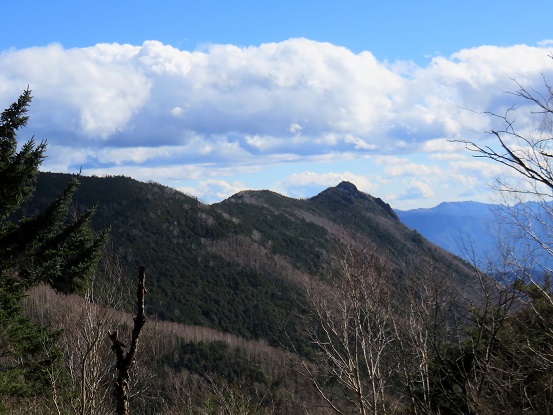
(529, 155)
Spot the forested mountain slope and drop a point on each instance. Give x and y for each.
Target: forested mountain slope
(236, 266)
(244, 278)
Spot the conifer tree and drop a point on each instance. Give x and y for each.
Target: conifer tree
(45, 248)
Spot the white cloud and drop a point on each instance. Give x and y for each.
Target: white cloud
(177, 111)
(295, 128)
(119, 156)
(417, 190)
(446, 156)
(411, 169)
(388, 160)
(441, 145)
(63, 159)
(295, 86)
(482, 167)
(295, 182)
(156, 110)
(210, 191)
(92, 91)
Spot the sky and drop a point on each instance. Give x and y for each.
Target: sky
(215, 97)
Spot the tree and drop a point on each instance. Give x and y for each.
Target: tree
(427, 319)
(350, 326)
(529, 155)
(509, 346)
(125, 361)
(45, 248)
(85, 320)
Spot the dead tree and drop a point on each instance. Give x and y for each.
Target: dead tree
(124, 362)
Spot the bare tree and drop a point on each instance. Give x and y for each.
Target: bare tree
(87, 355)
(530, 156)
(427, 320)
(512, 336)
(485, 366)
(83, 322)
(125, 361)
(351, 330)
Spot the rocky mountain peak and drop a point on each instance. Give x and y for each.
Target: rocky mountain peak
(347, 187)
(350, 192)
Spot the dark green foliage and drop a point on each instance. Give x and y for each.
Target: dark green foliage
(38, 358)
(216, 359)
(364, 215)
(194, 284)
(219, 295)
(159, 226)
(505, 363)
(18, 170)
(44, 248)
(281, 230)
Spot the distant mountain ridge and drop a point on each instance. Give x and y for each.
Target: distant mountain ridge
(458, 227)
(474, 230)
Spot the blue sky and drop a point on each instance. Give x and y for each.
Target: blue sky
(215, 97)
(407, 30)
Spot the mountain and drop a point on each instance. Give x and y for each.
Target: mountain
(458, 227)
(473, 230)
(230, 286)
(238, 266)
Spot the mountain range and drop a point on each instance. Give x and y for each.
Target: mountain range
(229, 297)
(462, 228)
(234, 288)
(237, 266)
(484, 234)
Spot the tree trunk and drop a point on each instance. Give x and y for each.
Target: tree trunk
(125, 362)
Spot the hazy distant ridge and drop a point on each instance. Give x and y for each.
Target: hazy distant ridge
(457, 226)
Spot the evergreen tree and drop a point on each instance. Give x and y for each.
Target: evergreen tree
(46, 248)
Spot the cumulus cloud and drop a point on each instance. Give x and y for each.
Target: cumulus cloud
(152, 108)
(90, 92)
(210, 191)
(417, 190)
(272, 90)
